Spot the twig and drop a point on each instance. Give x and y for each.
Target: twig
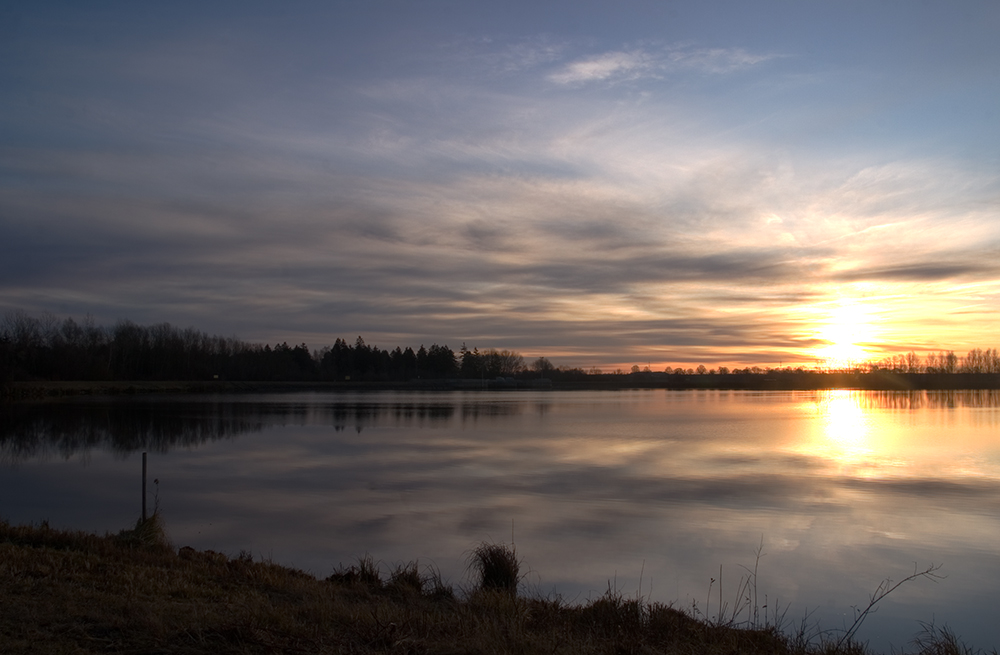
(885, 588)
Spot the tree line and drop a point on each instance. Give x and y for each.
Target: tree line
(47, 348)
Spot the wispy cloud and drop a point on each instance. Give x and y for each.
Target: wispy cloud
(526, 54)
(656, 62)
(627, 65)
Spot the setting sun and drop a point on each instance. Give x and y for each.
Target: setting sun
(845, 332)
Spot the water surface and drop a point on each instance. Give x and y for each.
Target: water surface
(651, 491)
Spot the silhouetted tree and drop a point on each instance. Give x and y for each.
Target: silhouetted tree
(502, 363)
(950, 362)
(471, 364)
(440, 362)
(542, 366)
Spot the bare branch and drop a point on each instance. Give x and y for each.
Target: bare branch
(885, 588)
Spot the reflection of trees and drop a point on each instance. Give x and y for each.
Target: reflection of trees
(976, 398)
(64, 429)
(366, 415)
(363, 415)
(28, 431)
(477, 411)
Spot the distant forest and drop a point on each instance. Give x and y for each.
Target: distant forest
(47, 348)
(50, 349)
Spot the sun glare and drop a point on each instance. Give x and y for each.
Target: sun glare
(846, 329)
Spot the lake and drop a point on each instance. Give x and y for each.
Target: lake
(654, 492)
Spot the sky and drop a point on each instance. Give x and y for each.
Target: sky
(604, 184)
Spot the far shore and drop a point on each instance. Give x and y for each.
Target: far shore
(770, 381)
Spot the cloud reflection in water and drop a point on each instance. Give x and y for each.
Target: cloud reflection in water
(844, 487)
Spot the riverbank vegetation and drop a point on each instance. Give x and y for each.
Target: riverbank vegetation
(47, 349)
(72, 592)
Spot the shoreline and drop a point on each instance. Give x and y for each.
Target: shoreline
(793, 381)
(67, 591)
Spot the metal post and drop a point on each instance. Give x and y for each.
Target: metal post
(144, 487)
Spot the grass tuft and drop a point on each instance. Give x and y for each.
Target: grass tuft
(149, 533)
(436, 588)
(614, 616)
(933, 640)
(496, 566)
(363, 574)
(406, 579)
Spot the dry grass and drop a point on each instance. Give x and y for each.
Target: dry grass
(497, 567)
(69, 592)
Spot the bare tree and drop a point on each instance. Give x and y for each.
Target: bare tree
(542, 366)
(502, 363)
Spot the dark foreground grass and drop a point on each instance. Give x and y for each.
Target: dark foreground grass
(71, 592)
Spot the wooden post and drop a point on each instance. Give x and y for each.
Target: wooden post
(143, 487)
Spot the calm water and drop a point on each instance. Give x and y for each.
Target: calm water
(839, 490)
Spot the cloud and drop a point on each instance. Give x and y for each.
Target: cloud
(715, 60)
(654, 63)
(977, 266)
(520, 54)
(448, 204)
(610, 64)
(699, 262)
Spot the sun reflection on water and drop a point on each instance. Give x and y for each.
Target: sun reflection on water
(846, 426)
(849, 440)
(862, 435)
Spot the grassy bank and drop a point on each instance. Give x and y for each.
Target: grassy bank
(71, 592)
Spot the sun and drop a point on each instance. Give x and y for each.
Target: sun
(846, 329)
